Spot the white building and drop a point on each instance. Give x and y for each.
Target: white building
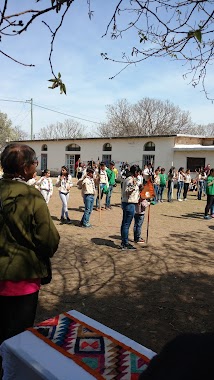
(166, 150)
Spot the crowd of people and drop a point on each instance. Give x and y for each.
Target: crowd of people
(29, 239)
(97, 181)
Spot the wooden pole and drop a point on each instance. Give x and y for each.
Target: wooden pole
(147, 231)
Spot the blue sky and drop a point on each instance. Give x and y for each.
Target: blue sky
(77, 56)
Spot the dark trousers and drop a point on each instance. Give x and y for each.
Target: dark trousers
(210, 203)
(186, 187)
(17, 313)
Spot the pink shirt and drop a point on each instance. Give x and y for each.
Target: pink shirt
(19, 288)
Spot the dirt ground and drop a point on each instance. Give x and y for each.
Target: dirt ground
(149, 295)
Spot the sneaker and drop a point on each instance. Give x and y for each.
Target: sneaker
(130, 247)
(207, 217)
(180, 200)
(161, 200)
(62, 220)
(140, 241)
(123, 247)
(185, 199)
(68, 221)
(87, 225)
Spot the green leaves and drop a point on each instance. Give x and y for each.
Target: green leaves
(57, 82)
(198, 35)
(195, 33)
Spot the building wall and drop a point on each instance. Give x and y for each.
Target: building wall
(186, 140)
(130, 150)
(180, 158)
(124, 149)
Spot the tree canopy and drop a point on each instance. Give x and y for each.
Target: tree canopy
(146, 117)
(180, 30)
(8, 132)
(68, 129)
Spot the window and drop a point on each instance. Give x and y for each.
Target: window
(106, 158)
(44, 147)
(195, 163)
(107, 147)
(73, 147)
(148, 159)
(149, 146)
(44, 160)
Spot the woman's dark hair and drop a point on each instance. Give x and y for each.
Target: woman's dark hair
(134, 169)
(45, 171)
(181, 169)
(67, 171)
(15, 156)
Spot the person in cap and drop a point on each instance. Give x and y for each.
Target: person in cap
(111, 180)
(88, 192)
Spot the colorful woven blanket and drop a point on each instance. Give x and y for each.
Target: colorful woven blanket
(99, 354)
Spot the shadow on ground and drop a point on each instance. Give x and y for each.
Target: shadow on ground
(149, 295)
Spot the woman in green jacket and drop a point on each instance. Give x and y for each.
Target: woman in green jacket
(28, 238)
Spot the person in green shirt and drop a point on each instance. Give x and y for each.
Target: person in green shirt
(111, 180)
(210, 195)
(163, 182)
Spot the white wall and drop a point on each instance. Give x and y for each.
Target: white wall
(123, 149)
(129, 149)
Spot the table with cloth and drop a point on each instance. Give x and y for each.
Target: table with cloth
(73, 346)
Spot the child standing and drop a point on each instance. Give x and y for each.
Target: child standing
(187, 181)
(64, 183)
(210, 194)
(156, 185)
(140, 208)
(163, 181)
(45, 185)
(88, 192)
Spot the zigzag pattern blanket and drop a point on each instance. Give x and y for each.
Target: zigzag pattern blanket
(99, 354)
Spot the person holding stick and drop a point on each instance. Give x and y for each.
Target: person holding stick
(130, 197)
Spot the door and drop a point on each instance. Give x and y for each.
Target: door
(70, 163)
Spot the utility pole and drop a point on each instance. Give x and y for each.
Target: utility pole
(31, 118)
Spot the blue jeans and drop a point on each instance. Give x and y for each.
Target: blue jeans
(200, 189)
(156, 188)
(170, 190)
(161, 190)
(89, 202)
(108, 196)
(180, 186)
(138, 222)
(128, 215)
